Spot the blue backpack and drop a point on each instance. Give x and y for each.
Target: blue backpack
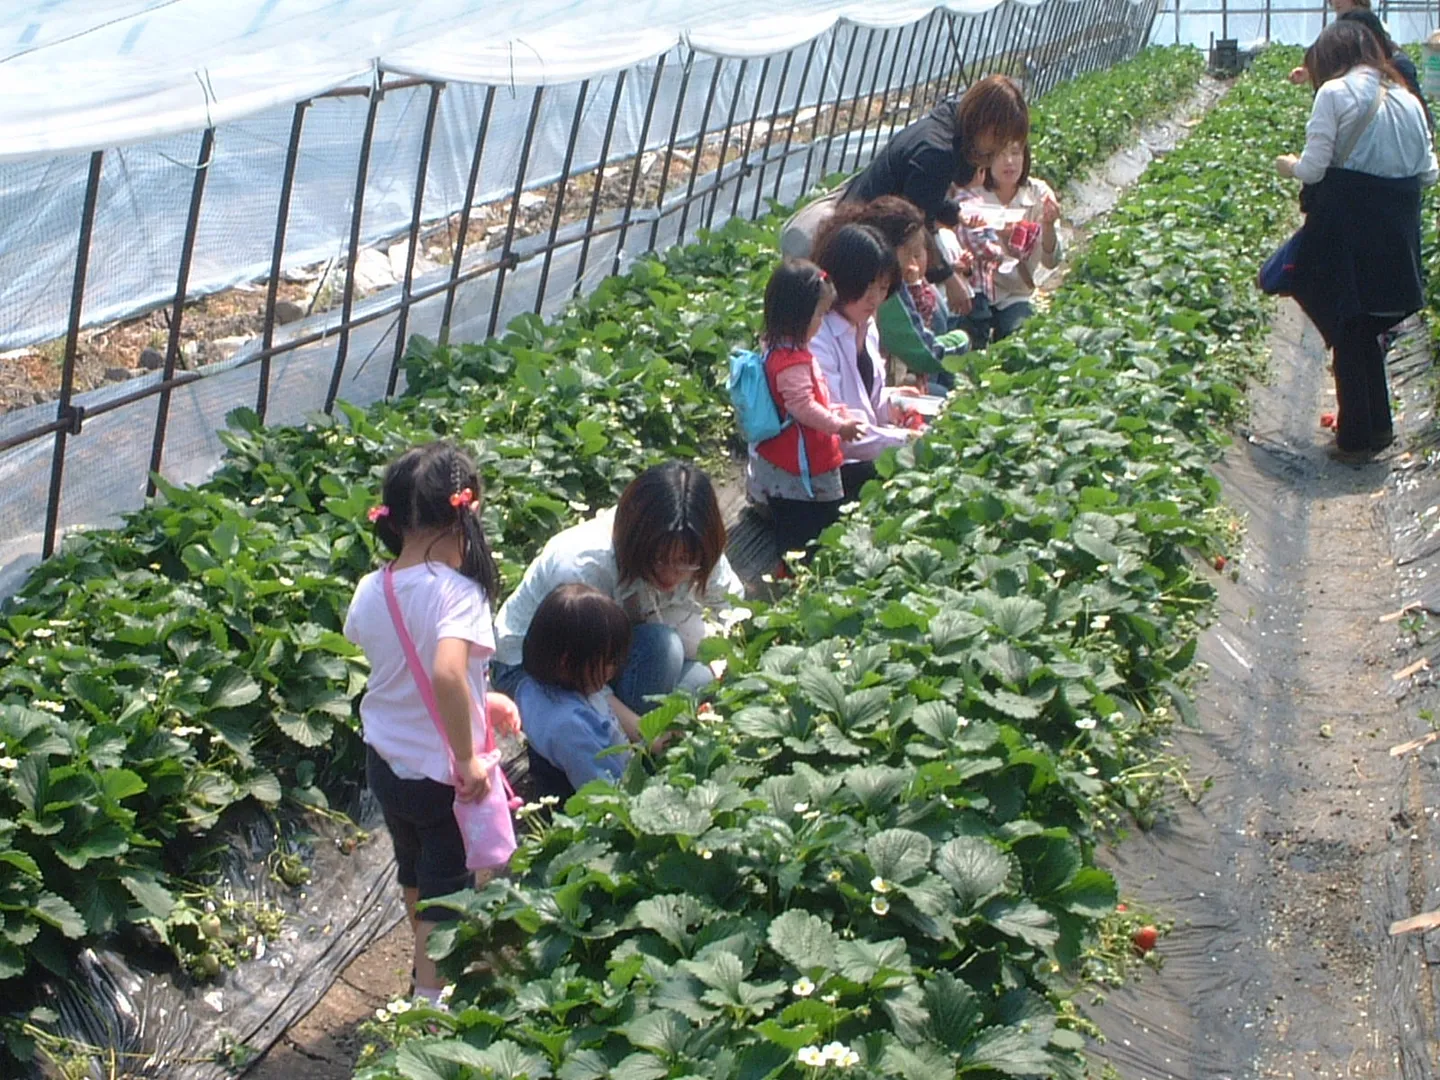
(755, 407)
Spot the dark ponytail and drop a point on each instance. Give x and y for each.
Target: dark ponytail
(425, 488)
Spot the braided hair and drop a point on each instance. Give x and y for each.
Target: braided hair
(436, 486)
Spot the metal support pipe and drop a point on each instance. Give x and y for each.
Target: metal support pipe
(422, 171)
(506, 256)
(870, 100)
(921, 84)
(182, 282)
(720, 180)
(744, 168)
(700, 144)
(770, 135)
(839, 97)
(794, 114)
(989, 22)
(470, 186)
(859, 82)
(599, 180)
(67, 414)
(639, 160)
(959, 69)
(560, 188)
(670, 148)
(277, 253)
(347, 305)
(885, 90)
(819, 108)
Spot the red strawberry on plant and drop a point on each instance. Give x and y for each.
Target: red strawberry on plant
(1144, 939)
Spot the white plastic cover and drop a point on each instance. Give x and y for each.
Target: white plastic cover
(82, 75)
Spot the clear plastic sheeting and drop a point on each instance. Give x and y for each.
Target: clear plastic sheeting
(117, 73)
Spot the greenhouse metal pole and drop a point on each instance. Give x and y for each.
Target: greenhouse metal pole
(599, 180)
(182, 282)
(282, 220)
(1015, 49)
(718, 183)
(1092, 29)
(670, 149)
(560, 187)
(508, 260)
(422, 171)
(903, 89)
(639, 160)
(986, 33)
(961, 69)
(885, 91)
(819, 107)
(700, 145)
(347, 306)
(1060, 47)
(859, 82)
(470, 186)
(839, 97)
(870, 100)
(794, 115)
(1099, 21)
(770, 135)
(1141, 42)
(66, 413)
(745, 168)
(924, 72)
(999, 49)
(1041, 52)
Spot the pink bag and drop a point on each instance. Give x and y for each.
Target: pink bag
(485, 825)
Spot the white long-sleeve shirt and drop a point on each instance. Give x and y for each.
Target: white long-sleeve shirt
(1395, 144)
(585, 553)
(834, 347)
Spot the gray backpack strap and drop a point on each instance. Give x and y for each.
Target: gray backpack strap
(1347, 147)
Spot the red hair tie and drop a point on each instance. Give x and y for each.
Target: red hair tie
(375, 513)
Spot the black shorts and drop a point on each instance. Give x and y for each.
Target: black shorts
(429, 851)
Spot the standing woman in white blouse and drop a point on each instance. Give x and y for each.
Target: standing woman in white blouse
(1357, 270)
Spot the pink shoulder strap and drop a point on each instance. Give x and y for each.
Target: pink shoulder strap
(427, 689)
(412, 659)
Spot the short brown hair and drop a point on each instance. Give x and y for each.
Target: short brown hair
(576, 636)
(668, 507)
(994, 106)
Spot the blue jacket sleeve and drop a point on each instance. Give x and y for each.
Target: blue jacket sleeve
(570, 734)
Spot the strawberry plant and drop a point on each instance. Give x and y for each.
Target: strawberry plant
(1085, 120)
(158, 677)
(875, 851)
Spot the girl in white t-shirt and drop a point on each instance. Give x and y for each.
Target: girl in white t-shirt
(443, 576)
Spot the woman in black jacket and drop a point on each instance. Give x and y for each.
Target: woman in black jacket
(957, 138)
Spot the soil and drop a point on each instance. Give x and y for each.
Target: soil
(1282, 880)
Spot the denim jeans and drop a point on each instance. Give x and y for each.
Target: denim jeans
(655, 667)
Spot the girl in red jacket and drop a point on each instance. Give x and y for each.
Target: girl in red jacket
(803, 501)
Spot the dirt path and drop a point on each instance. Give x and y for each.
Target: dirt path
(1282, 882)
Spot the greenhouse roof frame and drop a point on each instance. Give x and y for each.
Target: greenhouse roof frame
(123, 71)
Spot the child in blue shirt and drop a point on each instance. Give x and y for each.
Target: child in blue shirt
(575, 645)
